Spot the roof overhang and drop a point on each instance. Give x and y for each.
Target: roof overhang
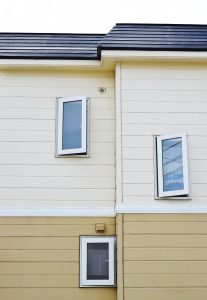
(157, 56)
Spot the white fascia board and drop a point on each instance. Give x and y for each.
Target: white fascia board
(25, 212)
(47, 63)
(129, 55)
(180, 208)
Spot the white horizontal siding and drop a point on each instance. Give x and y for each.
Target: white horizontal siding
(162, 99)
(31, 177)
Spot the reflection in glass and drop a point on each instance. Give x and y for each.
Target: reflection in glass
(72, 125)
(98, 261)
(172, 164)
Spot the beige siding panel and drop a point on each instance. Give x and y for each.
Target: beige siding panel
(55, 92)
(160, 107)
(165, 118)
(148, 129)
(27, 141)
(57, 170)
(164, 95)
(164, 84)
(156, 102)
(177, 71)
(39, 258)
(35, 78)
(56, 182)
(46, 159)
(49, 136)
(49, 148)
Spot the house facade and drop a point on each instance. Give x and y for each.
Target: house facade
(103, 164)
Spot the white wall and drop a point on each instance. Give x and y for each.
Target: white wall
(162, 99)
(32, 179)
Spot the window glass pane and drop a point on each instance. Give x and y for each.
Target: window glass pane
(172, 164)
(98, 261)
(72, 125)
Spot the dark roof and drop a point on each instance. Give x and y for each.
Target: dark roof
(164, 37)
(49, 45)
(156, 37)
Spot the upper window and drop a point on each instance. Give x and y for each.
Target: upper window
(97, 261)
(172, 165)
(72, 125)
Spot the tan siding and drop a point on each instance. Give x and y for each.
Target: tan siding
(32, 177)
(165, 253)
(40, 255)
(56, 293)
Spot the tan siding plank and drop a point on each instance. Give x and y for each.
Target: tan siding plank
(32, 243)
(182, 254)
(165, 217)
(166, 293)
(50, 230)
(58, 293)
(167, 241)
(39, 281)
(166, 228)
(165, 280)
(167, 267)
(39, 255)
(39, 268)
(56, 221)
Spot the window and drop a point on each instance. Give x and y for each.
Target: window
(72, 125)
(172, 165)
(97, 261)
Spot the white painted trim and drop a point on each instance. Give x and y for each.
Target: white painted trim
(118, 105)
(56, 212)
(84, 241)
(59, 127)
(180, 208)
(47, 63)
(185, 190)
(129, 55)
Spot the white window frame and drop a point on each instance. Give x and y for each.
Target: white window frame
(84, 241)
(160, 191)
(59, 129)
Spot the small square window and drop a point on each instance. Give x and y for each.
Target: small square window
(72, 125)
(97, 261)
(172, 165)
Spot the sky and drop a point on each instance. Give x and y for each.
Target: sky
(95, 16)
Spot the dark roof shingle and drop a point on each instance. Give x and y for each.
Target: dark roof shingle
(156, 37)
(164, 37)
